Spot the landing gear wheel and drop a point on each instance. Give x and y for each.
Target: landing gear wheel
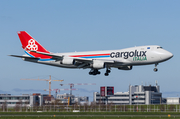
(155, 69)
(94, 72)
(108, 71)
(106, 74)
(90, 73)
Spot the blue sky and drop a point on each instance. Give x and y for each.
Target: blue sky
(81, 25)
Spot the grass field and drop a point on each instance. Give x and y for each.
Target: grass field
(75, 117)
(89, 115)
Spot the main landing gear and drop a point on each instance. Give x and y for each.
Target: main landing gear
(155, 69)
(94, 72)
(107, 72)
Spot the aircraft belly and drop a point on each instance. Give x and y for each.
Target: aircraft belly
(58, 64)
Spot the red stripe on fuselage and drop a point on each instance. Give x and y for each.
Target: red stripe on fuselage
(88, 55)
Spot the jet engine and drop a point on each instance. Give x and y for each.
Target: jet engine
(125, 67)
(97, 64)
(67, 60)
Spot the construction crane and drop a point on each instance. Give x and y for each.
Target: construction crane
(72, 85)
(49, 80)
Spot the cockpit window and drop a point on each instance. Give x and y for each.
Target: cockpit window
(159, 48)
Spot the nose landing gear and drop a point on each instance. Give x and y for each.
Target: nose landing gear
(155, 69)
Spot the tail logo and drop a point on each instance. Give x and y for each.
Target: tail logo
(32, 45)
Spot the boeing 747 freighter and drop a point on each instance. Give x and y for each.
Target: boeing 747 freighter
(123, 59)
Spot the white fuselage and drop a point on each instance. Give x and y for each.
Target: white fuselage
(142, 55)
(123, 59)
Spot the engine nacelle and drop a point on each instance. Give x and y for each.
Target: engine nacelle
(97, 64)
(125, 67)
(67, 60)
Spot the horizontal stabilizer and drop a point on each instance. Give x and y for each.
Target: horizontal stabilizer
(24, 57)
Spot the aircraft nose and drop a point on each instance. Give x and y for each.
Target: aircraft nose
(170, 55)
(166, 55)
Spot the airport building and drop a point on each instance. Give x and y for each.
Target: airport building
(64, 98)
(173, 100)
(137, 94)
(23, 100)
(37, 99)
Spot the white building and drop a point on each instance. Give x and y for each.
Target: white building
(23, 100)
(117, 98)
(64, 98)
(173, 100)
(137, 94)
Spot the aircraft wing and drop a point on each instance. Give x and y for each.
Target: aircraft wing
(82, 62)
